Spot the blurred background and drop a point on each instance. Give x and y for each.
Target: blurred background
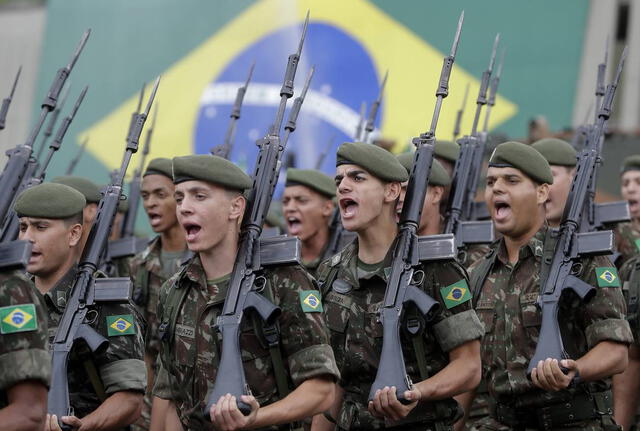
(203, 50)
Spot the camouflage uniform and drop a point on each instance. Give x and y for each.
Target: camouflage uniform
(626, 236)
(119, 368)
(24, 353)
(148, 276)
(506, 304)
(352, 300)
(187, 309)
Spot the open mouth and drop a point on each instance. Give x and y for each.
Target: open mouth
(154, 219)
(35, 255)
(192, 231)
(633, 205)
(348, 207)
(502, 210)
(294, 225)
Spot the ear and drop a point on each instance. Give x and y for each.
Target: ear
(236, 207)
(542, 193)
(392, 191)
(437, 192)
(327, 208)
(75, 234)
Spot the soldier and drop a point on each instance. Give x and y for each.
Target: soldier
(92, 195)
(562, 159)
(159, 261)
(25, 363)
(628, 234)
(368, 183)
(106, 387)
(210, 205)
(506, 286)
(308, 205)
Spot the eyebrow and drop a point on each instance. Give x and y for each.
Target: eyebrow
(352, 173)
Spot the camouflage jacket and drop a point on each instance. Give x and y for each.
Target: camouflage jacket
(627, 244)
(630, 277)
(24, 353)
(120, 368)
(506, 304)
(187, 311)
(148, 276)
(352, 301)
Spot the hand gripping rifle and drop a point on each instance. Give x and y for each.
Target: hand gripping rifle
(572, 241)
(74, 162)
(404, 276)
(456, 127)
(224, 150)
(88, 290)
(11, 227)
(245, 277)
(373, 112)
(6, 102)
(20, 157)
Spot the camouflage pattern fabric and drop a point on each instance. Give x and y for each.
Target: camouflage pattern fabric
(507, 307)
(630, 276)
(148, 276)
(24, 352)
(352, 301)
(626, 235)
(120, 367)
(190, 349)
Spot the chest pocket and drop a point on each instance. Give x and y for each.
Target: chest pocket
(531, 314)
(487, 314)
(337, 311)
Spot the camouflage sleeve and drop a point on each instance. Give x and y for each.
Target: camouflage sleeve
(162, 383)
(630, 289)
(121, 366)
(456, 323)
(24, 353)
(304, 336)
(603, 317)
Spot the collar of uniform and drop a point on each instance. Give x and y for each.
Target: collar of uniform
(194, 272)
(533, 247)
(152, 250)
(349, 269)
(57, 297)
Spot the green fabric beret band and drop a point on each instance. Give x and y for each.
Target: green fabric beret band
(159, 166)
(631, 163)
(556, 151)
(90, 190)
(438, 175)
(210, 169)
(447, 150)
(313, 179)
(524, 158)
(51, 201)
(378, 161)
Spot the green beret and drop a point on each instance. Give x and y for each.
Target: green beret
(556, 151)
(313, 179)
(123, 205)
(523, 157)
(447, 150)
(50, 200)
(378, 161)
(159, 166)
(631, 163)
(210, 169)
(438, 175)
(90, 190)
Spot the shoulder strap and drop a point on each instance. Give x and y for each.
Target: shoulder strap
(480, 273)
(550, 241)
(171, 306)
(140, 294)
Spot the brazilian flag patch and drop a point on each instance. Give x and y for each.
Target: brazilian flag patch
(607, 276)
(310, 301)
(456, 294)
(120, 325)
(18, 318)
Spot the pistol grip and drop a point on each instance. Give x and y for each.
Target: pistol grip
(550, 339)
(425, 303)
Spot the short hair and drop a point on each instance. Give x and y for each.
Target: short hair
(74, 219)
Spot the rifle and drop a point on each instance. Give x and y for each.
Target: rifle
(242, 295)
(363, 112)
(325, 151)
(373, 112)
(87, 290)
(474, 143)
(7, 101)
(74, 162)
(129, 222)
(11, 228)
(573, 242)
(53, 120)
(224, 150)
(401, 289)
(20, 157)
(456, 127)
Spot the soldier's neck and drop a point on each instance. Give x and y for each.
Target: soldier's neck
(45, 282)
(514, 244)
(433, 226)
(172, 239)
(218, 261)
(375, 240)
(312, 247)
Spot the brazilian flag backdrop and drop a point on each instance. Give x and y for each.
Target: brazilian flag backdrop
(203, 49)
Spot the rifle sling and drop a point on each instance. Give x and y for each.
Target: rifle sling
(95, 379)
